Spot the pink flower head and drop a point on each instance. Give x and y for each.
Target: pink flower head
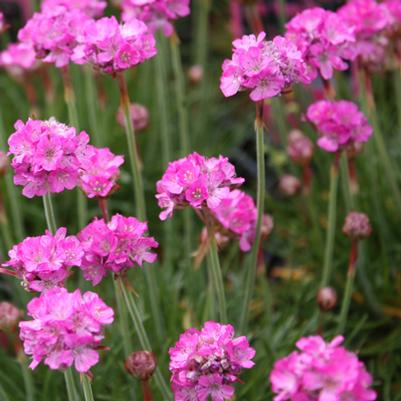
(205, 363)
(156, 14)
(10, 315)
(139, 114)
(340, 124)
(92, 8)
(45, 156)
(323, 39)
(114, 47)
(266, 68)
(44, 262)
(99, 171)
(18, 58)
(115, 246)
(321, 371)
(195, 181)
(237, 213)
(53, 34)
(66, 330)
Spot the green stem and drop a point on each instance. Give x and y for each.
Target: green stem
(142, 336)
(397, 84)
(282, 14)
(69, 382)
(6, 232)
(346, 183)
(87, 387)
(122, 319)
(251, 272)
(132, 149)
(49, 213)
(93, 106)
(28, 382)
(331, 225)
(216, 276)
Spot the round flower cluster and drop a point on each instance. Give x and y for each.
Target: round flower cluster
(99, 171)
(357, 226)
(340, 124)
(66, 329)
(156, 14)
(266, 68)
(196, 181)
(92, 8)
(10, 315)
(113, 47)
(299, 148)
(44, 262)
(18, 58)
(53, 32)
(323, 39)
(46, 156)
(321, 371)
(114, 246)
(237, 213)
(205, 363)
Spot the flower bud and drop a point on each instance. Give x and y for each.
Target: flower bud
(139, 114)
(141, 364)
(357, 226)
(267, 225)
(3, 163)
(327, 298)
(195, 74)
(289, 185)
(10, 315)
(300, 147)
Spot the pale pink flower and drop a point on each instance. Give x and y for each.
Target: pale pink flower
(10, 315)
(139, 114)
(113, 47)
(18, 58)
(92, 8)
(156, 14)
(266, 68)
(321, 371)
(195, 181)
(116, 246)
(66, 330)
(44, 262)
(206, 363)
(340, 124)
(299, 148)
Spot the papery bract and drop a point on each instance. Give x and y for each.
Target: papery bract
(66, 330)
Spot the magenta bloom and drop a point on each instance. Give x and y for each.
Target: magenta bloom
(266, 68)
(66, 330)
(206, 363)
(340, 124)
(116, 246)
(45, 156)
(99, 171)
(195, 181)
(92, 8)
(156, 14)
(237, 213)
(112, 47)
(321, 371)
(53, 34)
(323, 39)
(18, 58)
(44, 262)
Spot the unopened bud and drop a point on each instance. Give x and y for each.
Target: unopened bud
(327, 298)
(10, 315)
(357, 226)
(267, 225)
(300, 147)
(289, 185)
(139, 114)
(141, 364)
(195, 74)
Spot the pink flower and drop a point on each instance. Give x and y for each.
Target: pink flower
(66, 330)
(264, 67)
(320, 370)
(45, 156)
(112, 47)
(205, 363)
(99, 171)
(195, 181)
(323, 39)
(340, 124)
(44, 262)
(92, 8)
(156, 14)
(53, 34)
(140, 116)
(18, 58)
(299, 148)
(115, 246)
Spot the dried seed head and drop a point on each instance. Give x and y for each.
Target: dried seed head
(357, 226)
(300, 147)
(10, 315)
(141, 364)
(289, 185)
(327, 298)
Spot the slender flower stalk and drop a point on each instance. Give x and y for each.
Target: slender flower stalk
(49, 213)
(28, 382)
(69, 382)
(261, 191)
(87, 387)
(346, 181)
(132, 148)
